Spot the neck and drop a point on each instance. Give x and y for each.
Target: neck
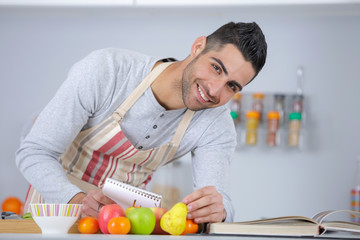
(167, 87)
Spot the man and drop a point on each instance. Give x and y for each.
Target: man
(121, 114)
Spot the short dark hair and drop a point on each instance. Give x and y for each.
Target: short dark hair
(247, 37)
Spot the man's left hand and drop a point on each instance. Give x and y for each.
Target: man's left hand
(205, 205)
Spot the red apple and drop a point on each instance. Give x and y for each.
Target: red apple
(158, 211)
(108, 212)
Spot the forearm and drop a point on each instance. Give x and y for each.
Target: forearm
(214, 172)
(46, 176)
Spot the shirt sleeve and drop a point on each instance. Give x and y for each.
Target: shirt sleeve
(83, 93)
(211, 159)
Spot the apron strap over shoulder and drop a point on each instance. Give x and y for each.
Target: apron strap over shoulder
(183, 125)
(180, 131)
(136, 94)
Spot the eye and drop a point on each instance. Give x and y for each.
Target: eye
(233, 87)
(217, 68)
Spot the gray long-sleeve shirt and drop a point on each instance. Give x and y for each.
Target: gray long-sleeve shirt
(94, 89)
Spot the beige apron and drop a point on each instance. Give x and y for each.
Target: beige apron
(104, 151)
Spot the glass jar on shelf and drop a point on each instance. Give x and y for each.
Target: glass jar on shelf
(294, 129)
(279, 106)
(258, 104)
(252, 123)
(235, 108)
(298, 103)
(273, 127)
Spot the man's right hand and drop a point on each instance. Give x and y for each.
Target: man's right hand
(92, 202)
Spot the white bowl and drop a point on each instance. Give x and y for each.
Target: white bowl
(55, 218)
(55, 225)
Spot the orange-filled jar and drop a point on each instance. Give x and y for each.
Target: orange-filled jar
(252, 123)
(272, 127)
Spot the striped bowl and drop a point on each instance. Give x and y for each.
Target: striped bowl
(55, 218)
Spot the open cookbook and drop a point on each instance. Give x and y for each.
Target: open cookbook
(289, 225)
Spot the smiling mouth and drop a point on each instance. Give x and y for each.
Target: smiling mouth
(203, 95)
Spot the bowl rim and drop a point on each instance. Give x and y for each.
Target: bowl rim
(56, 216)
(55, 210)
(72, 204)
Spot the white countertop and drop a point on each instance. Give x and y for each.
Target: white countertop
(33, 236)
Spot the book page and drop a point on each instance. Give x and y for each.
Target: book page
(320, 217)
(342, 226)
(279, 219)
(332, 226)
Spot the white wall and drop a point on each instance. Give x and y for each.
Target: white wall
(38, 46)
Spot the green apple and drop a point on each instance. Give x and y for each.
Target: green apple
(129, 209)
(142, 220)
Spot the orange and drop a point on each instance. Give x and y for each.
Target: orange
(119, 225)
(88, 225)
(191, 227)
(12, 204)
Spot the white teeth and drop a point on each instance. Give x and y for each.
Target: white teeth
(203, 95)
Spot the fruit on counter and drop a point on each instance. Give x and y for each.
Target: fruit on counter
(191, 227)
(142, 220)
(88, 225)
(12, 204)
(27, 216)
(174, 220)
(108, 212)
(119, 225)
(131, 208)
(158, 212)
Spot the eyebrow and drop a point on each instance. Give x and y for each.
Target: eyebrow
(237, 84)
(221, 64)
(226, 72)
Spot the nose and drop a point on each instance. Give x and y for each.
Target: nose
(215, 87)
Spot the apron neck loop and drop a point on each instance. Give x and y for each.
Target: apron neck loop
(141, 88)
(119, 115)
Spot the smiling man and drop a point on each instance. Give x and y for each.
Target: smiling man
(122, 114)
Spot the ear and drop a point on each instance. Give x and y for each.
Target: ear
(198, 46)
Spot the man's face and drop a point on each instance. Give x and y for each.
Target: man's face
(211, 79)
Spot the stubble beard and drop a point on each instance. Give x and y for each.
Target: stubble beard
(187, 83)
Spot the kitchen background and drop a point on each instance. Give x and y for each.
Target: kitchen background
(39, 44)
